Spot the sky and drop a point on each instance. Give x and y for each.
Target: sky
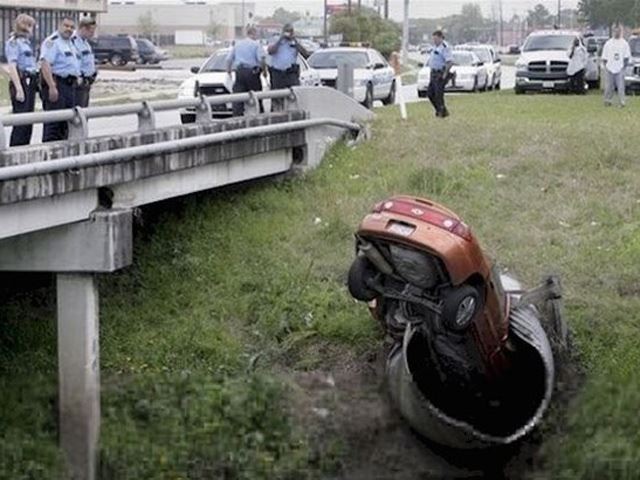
(418, 8)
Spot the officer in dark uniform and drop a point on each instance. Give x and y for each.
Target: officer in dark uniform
(284, 68)
(60, 67)
(23, 74)
(440, 63)
(247, 58)
(80, 38)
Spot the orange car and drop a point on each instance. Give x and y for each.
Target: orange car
(440, 298)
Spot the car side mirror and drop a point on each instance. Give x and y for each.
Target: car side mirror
(420, 65)
(592, 48)
(378, 66)
(480, 64)
(195, 69)
(498, 60)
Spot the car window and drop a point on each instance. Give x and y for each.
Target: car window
(634, 44)
(484, 54)
(331, 59)
(302, 64)
(216, 63)
(462, 58)
(377, 58)
(548, 42)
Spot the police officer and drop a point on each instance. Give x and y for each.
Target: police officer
(247, 59)
(440, 63)
(80, 38)
(284, 68)
(23, 74)
(60, 67)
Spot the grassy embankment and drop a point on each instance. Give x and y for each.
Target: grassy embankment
(234, 295)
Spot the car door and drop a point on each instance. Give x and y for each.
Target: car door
(309, 77)
(381, 76)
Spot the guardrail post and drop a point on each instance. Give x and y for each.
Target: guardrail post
(78, 125)
(203, 111)
(291, 101)
(146, 118)
(3, 137)
(252, 104)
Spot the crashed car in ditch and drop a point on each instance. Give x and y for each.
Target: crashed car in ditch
(471, 364)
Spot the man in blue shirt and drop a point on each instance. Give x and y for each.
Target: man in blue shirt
(284, 68)
(440, 62)
(247, 59)
(23, 74)
(60, 66)
(80, 38)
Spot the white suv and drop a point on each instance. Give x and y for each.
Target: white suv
(373, 78)
(543, 63)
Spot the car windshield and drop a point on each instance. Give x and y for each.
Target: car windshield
(145, 44)
(464, 59)
(483, 54)
(634, 44)
(548, 42)
(217, 63)
(333, 59)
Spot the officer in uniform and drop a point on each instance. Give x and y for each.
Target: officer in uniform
(440, 62)
(80, 38)
(247, 59)
(23, 74)
(284, 68)
(60, 67)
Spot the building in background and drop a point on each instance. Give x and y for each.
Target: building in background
(48, 14)
(179, 22)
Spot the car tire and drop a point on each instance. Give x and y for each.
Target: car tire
(368, 98)
(116, 59)
(360, 272)
(187, 118)
(422, 94)
(475, 85)
(519, 91)
(498, 86)
(391, 99)
(460, 307)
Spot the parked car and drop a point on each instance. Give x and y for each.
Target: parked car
(149, 53)
(514, 49)
(212, 79)
(469, 74)
(373, 78)
(594, 48)
(117, 50)
(492, 62)
(542, 66)
(632, 74)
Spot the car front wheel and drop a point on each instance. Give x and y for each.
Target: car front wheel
(391, 99)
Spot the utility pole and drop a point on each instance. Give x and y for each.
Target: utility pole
(349, 6)
(405, 33)
(386, 9)
(326, 38)
(501, 24)
(559, 13)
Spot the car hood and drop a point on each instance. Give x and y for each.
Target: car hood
(464, 69)
(544, 55)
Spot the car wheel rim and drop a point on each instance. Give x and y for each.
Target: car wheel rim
(465, 311)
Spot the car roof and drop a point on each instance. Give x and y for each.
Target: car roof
(554, 32)
(469, 46)
(346, 49)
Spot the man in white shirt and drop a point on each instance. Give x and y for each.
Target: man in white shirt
(616, 55)
(578, 57)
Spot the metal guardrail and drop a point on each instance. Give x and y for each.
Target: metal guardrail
(125, 154)
(77, 118)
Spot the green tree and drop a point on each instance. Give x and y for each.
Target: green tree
(282, 15)
(540, 17)
(146, 24)
(366, 25)
(604, 13)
